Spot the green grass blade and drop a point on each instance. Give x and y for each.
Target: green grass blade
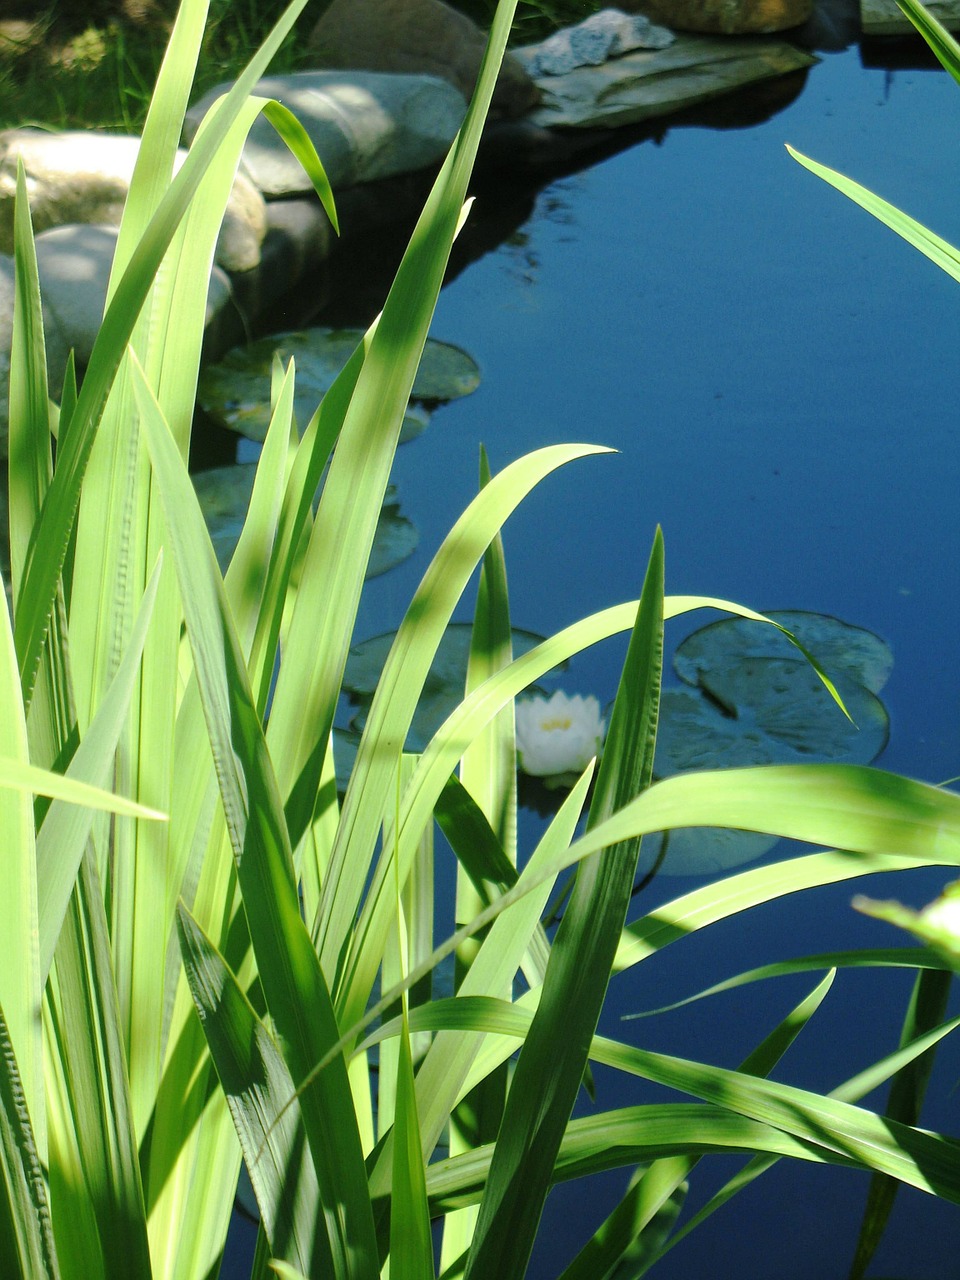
(928, 1004)
(493, 969)
(20, 985)
(888, 957)
(256, 1082)
(658, 1186)
(411, 1244)
(29, 779)
(702, 907)
(936, 35)
(463, 725)
(309, 682)
(852, 1090)
(85, 1027)
(932, 246)
(27, 1250)
(488, 773)
(63, 836)
(630, 1234)
(292, 980)
(29, 463)
(921, 1159)
(403, 676)
(625, 1138)
(554, 1055)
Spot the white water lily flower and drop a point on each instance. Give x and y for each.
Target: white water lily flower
(557, 737)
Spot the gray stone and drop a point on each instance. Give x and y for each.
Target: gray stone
(417, 37)
(644, 84)
(364, 126)
(85, 176)
(603, 35)
(885, 17)
(74, 266)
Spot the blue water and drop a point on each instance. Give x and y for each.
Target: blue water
(776, 370)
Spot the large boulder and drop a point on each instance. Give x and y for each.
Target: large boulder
(364, 126)
(84, 177)
(416, 37)
(724, 17)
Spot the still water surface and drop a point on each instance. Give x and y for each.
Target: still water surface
(776, 370)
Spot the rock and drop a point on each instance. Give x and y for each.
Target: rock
(74, 265)
(85, 176)
(603, 35)
(416, 37)
(644, 84)
(364, 126)
(885, 17)
(725, 17)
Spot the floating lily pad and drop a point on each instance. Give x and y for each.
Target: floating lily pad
(768, 711)
(224, 494)
(443, 688)
(702, 851)
(839, 647)
(236, 392)
(755, 711)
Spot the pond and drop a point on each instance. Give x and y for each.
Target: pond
(773, 367)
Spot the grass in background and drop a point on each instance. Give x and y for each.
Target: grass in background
(88, 70)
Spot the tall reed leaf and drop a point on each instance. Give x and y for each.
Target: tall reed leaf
(293, 984)
(27, 1250)
(554, 1055)
(256, 1082)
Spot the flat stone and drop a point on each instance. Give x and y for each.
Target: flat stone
(364, 126)
(886, 18)
(644, 84)
(84, 177)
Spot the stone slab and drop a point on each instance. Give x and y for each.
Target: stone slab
(886, 18)
(645, 84)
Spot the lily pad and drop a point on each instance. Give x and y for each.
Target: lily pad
(768, 711)
(224, 494)
(702, 851)
(443, 688)
(236, 392)
(839, 647)
(756, 711)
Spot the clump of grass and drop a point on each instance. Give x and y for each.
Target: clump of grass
(61, 71)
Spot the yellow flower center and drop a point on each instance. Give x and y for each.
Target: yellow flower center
(558, 722)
